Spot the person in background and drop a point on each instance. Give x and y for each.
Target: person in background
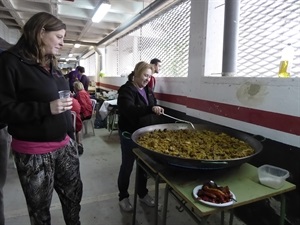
(72, 77)
(39, 122)
(84, 79)
(66, 72)
(156, 65)
(69, 69)
(84, 100)
(77, 108)
(4, 152)
(137, 108)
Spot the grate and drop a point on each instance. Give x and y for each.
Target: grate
(165, 37)
(89, 65)
(265, 28)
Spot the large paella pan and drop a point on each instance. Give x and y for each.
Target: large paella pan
(196, 162)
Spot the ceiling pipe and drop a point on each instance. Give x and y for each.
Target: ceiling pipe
(80, 42)
(149, 9)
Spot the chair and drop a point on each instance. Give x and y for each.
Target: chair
(112, 119)
(74, 123)
(94, 103)
(85, 122)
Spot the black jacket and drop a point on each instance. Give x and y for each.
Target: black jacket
(26, 90)
(134, 113)
(2, 125)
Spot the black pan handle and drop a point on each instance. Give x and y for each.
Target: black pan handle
(258, 137)
(126, 135)
(215, 162)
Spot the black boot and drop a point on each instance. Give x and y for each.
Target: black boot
(80, 149)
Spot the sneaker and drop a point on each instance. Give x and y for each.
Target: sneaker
(125, 205)
(80, 149)
(149, 201)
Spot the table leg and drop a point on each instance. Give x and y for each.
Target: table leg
(135, 192)
(282, 209)
(222, 218)
(200, 221)
(165, 206)
(231, 217)
(156, 200)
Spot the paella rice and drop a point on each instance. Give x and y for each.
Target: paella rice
(193, 144)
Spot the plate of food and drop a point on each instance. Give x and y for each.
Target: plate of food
(217, 196)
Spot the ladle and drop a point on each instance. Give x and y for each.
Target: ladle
(212, 184)
(184, 121)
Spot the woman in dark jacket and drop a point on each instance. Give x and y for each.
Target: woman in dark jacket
(137, 108)
(39, 122)
(4, 152)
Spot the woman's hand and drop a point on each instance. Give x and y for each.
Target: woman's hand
(60, 105)
(158, 110)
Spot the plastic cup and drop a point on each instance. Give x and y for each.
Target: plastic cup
(64, 94)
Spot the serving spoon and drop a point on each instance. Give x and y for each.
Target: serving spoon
(184, 121)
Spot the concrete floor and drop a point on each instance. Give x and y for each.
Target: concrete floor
(100, 164)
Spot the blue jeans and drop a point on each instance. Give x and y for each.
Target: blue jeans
(128, 159)
(4, 151)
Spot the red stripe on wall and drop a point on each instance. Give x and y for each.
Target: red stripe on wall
(272, 120)
(113, 87)
(177, 99)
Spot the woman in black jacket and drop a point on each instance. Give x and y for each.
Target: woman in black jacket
(39, 121)
(137, 108)
(4, 152)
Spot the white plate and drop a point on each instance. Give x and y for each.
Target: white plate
(197, 188)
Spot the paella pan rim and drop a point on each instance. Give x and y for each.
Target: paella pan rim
(198, 163)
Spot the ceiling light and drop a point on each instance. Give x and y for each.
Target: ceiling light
(101, 12)
(71, 59)
(77, 46)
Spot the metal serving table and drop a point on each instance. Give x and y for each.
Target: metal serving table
(242, 181)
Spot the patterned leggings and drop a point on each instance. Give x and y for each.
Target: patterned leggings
(40, 174)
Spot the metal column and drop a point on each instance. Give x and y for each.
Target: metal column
(230, 39)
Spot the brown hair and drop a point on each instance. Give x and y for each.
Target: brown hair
(30, 44)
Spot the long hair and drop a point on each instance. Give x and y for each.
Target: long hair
(30, 45)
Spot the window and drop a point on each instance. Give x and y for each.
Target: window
(265, 28)
(165, 37)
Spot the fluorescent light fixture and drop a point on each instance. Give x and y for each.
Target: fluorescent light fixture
(70, 55)
(77, 46)
(101, 12)
(71, 59)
